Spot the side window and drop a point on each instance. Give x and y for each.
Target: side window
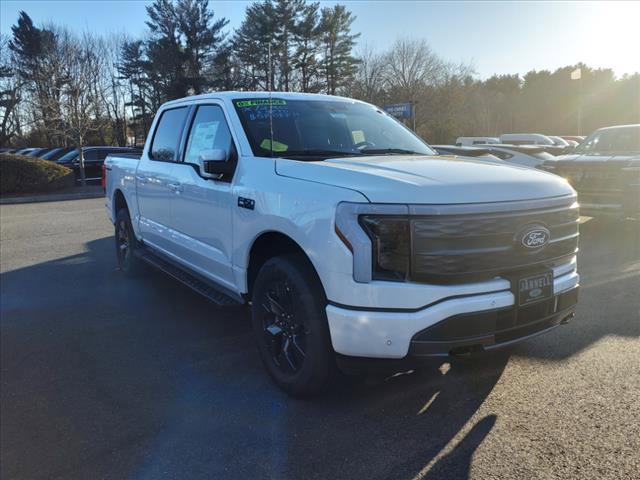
(102, 154)
(166, 139)
(91, 155)
(607, 141)
(627, 140)
(209, 131)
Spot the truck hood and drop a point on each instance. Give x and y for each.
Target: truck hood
(428, 179)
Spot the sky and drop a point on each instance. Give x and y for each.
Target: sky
(494, 37)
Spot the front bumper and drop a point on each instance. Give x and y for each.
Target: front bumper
(450, 326)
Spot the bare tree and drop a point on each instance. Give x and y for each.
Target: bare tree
(411, 66)
(369, 83)
(82, 91)
(9, 95)
(112, 88)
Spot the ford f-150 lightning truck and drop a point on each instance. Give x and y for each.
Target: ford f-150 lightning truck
(346, 234)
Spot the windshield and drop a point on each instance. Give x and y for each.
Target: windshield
(620, 140)
(68, 156)
(51, 153)
(312, 129)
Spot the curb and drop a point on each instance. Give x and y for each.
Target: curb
(50, 198)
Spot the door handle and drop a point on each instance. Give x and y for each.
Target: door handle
(175, 187)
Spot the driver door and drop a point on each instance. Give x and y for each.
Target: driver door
(202, 208)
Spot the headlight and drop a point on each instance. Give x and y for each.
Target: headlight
(391, 246)
(378, 237)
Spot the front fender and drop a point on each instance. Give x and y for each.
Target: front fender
(302, 210)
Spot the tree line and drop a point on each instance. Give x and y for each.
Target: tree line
(62, 88)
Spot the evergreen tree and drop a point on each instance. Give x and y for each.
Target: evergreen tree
(165, 54)
(133, 69)
(338, 64)
(306, 38)
(251, 44)
(202, 39)
(287, 13)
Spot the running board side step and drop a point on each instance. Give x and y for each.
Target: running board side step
(214, 293)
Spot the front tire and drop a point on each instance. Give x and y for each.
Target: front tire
(290, 325)
(126, 245)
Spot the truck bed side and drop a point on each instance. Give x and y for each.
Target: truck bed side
(120, 171)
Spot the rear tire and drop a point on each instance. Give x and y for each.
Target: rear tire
(290, 325)
(126, 245)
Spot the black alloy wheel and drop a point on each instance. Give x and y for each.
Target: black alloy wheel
(288, 316)
(283, 328)
(126, 244)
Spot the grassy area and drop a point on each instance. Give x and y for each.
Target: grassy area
(19, 174)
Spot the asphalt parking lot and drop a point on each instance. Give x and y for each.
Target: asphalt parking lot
(105, 377)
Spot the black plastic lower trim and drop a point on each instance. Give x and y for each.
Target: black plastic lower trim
(462, 334)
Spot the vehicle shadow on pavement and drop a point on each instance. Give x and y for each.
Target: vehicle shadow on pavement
(107, 377)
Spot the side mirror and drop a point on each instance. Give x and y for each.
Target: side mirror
(214, 163)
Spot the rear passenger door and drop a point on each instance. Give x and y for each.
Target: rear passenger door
(155, 179)
(202, 207)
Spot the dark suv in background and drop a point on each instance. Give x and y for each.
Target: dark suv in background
(93, 160)
(605, 171)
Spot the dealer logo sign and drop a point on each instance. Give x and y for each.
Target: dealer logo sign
(535, 237)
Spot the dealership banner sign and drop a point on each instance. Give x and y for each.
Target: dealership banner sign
(399, 110)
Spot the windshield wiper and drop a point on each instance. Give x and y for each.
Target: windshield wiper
(390, 151)
(315, 153)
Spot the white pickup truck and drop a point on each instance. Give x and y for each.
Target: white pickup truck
(346, 234)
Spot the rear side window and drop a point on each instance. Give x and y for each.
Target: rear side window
(166, 139)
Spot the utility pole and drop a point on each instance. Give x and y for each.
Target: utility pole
(413, 114)
(577, 75)
(580, 105)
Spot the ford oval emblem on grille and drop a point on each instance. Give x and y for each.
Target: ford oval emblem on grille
(535, 237)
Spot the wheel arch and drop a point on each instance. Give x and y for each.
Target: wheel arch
(119, 201)
(271, 244)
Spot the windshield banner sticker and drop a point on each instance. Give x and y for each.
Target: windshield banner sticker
(260, 102)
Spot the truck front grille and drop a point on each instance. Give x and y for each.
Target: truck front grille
(459, 248)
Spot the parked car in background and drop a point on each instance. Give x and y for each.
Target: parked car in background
(470, 141)
(525, 155)
(558, 141)
(25, 151)
(605, 170)
(93, 160)
(560, 146)
(38, 152)
(554, 147)
(525, 139)
(346, 235)
(478, 153)
(575, 138)
(56, 153)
